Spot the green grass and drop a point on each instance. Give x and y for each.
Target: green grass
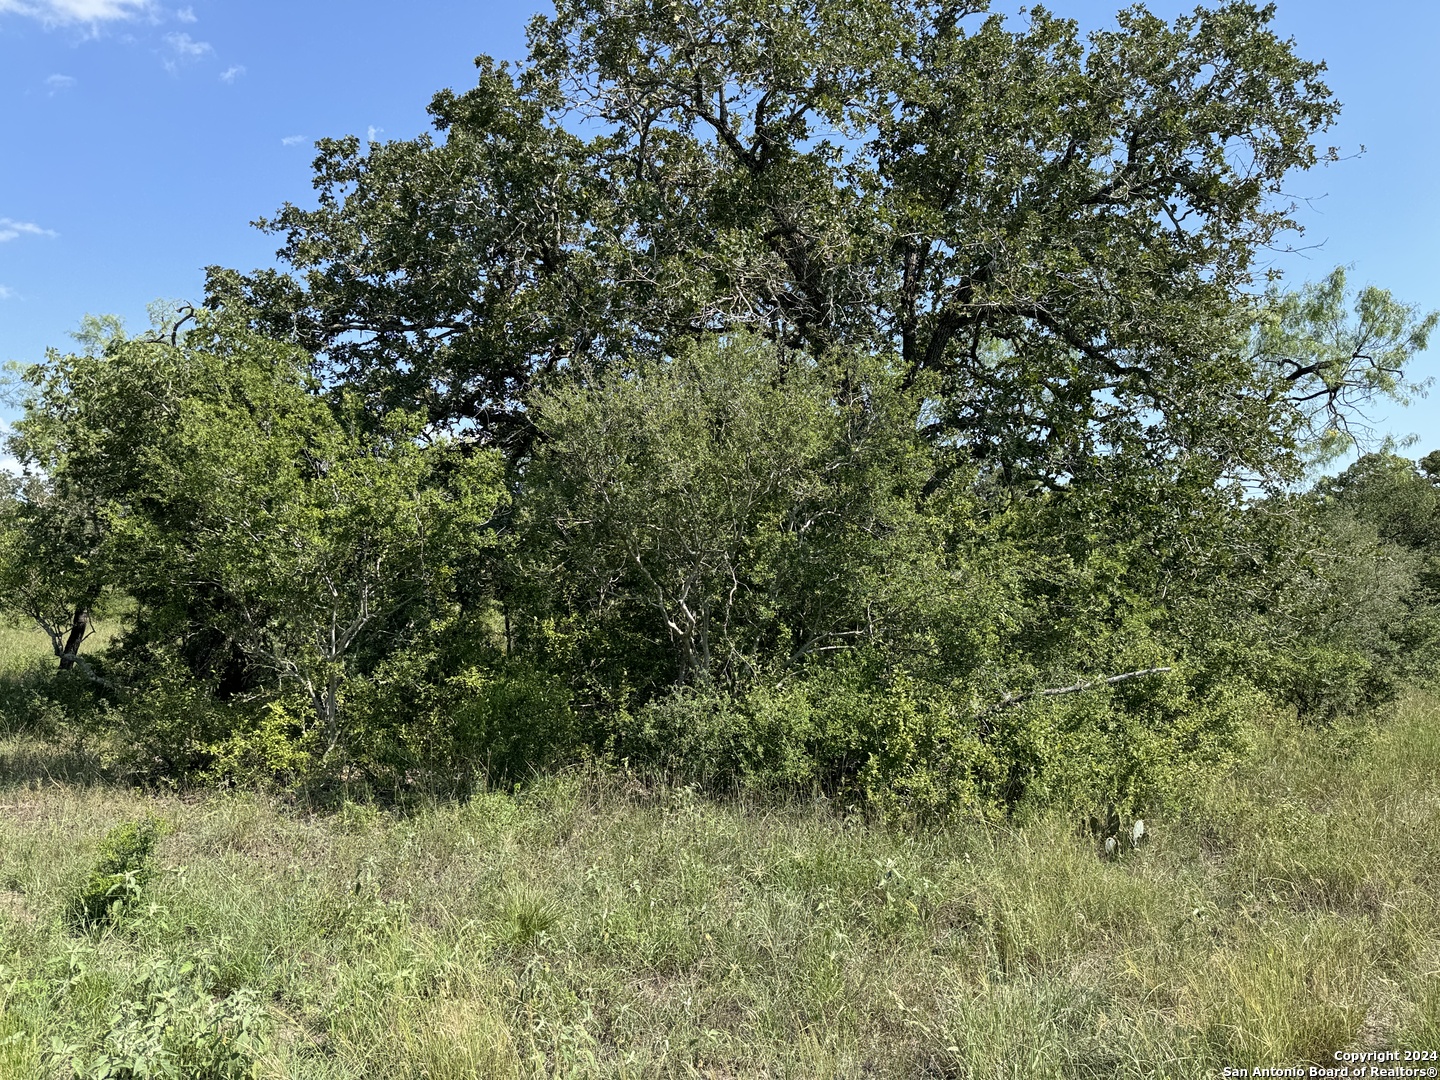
(596, 926)
(19, 647)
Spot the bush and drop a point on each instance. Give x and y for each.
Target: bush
(167, 1026)
(1129, 749)
(450, 708)
(509, 722)
(275, 749)
(899, 747)
(39, 701)
(1356, 626)
(906, 748)
(120, 871)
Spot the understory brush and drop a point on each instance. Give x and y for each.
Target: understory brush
(896, 746)
(906, 750)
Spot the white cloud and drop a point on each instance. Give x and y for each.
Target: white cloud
(5, 294)
(58, 82)
(292, 140)
(233, 72)
(65, 12)
(185, 46)
(10, 229)
(186, 15)
(371, 132)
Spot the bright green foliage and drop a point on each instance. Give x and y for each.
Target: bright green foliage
(167, 1026)
(121, 870)
(277, 748)
(910, 749)
(1334, 363)
(743, 505)
(270, 537)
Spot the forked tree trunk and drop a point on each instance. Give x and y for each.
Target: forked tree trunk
(78, 630)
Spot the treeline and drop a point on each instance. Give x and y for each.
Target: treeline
(878, 400)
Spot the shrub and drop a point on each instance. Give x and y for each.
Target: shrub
(120, 871)
(1126, 749)
(897, 746)
(274, 749)
(160, 720)
(509, 722)
(167, 1026)
(908, 748)
(36, 700)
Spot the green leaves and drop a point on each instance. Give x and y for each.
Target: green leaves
(744, 504)
(1332, 354)
(268, 534)
(725, 345)
(1060, 228)
(121, 870)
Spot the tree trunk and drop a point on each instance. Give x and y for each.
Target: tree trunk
(79, 628)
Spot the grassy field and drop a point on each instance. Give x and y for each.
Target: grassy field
(595, 926)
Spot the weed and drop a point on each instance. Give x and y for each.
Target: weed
(592, 926)
(122, 868)
(527, 917)
(166, 1026)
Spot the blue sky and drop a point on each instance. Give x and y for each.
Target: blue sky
(142, 136)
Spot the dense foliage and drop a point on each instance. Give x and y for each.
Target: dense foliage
(874, 397)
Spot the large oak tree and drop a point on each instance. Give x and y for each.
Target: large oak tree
(1064, 228)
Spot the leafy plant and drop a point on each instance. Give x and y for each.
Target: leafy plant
(167, 1026)
(121, 870)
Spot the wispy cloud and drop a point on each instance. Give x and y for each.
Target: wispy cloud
(183, 49)
(185, 46)
(292, 140)
(58, 83)
(67, 12)
(10, 229)
(186, 15)
(371, 132)
(233, 72)
(6, 292)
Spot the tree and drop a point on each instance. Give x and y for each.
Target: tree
(890, 361)
(1060, 229)
(268, 535)
(1334, 364)
(50, 532)
(48, 575)
(747, 505)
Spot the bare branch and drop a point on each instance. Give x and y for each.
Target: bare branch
(1009, 701)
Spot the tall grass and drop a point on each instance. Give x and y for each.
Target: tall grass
(20, 648)
(594, 925)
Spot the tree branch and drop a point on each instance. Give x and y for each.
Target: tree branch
(1009, 701)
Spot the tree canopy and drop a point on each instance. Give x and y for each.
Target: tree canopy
(1063, 228)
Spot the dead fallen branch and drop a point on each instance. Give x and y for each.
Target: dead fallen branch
(1009, 701)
